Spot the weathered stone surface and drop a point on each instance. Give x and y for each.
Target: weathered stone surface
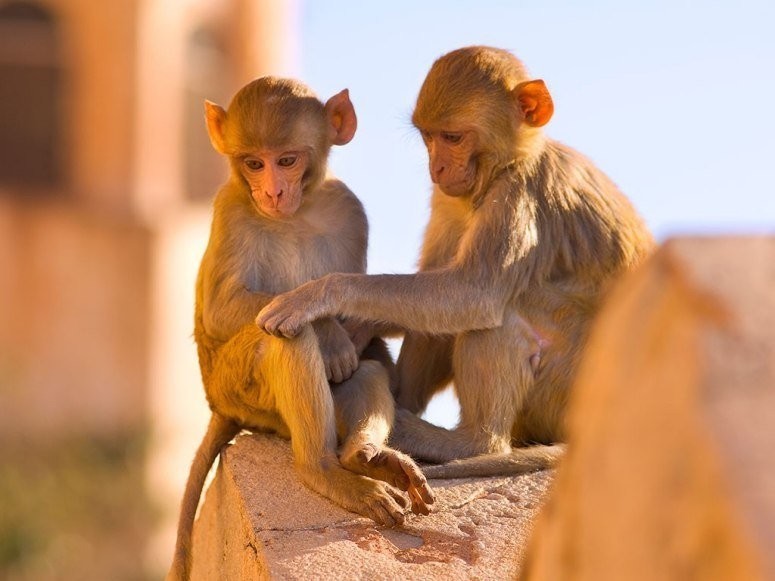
(258, 521)
(669, 473)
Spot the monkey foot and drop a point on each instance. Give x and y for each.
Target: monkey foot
(393, 467)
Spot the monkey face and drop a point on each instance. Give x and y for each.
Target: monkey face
(451, 160)
(275, 178)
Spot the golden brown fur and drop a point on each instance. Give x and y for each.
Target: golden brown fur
(277, 223)
(525, 236)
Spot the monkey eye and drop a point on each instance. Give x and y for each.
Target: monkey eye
(452, 138)
(254, 164)
(287, 160)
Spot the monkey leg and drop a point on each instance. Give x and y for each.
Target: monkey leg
(231, 387)
(364, 413)
(493, 373)
(542, 418)
(377, 350)
(424, 368)
(293, 370)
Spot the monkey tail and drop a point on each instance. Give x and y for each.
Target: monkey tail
(219, 432)
(518, 461)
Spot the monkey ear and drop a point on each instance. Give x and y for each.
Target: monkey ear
(215, 117)
(535, 102)
(342, 121)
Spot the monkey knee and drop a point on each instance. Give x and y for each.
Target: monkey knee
(374, 382)
(305, 342)
(372, 372)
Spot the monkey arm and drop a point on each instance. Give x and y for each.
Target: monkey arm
(496, 262)
(362, 332)
(230, 309)
(437, 302)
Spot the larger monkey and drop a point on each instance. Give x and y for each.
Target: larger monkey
(278, 222)
(524, 238)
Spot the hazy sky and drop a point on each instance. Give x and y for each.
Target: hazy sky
(674, 100)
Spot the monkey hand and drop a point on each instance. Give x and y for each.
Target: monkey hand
(288, 313)
(336, 348)
(361, 333)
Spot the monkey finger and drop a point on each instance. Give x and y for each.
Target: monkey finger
(418, 505)
(289, 328)
(265, 323)
(336, 371)
(423, 490)
(399, 499)
(273, 322)
(389, 513)
(348, 367)
(354, 361)
(421, 487)
(416, 480)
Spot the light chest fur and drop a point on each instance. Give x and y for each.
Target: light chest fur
(326, 235)
(450, 219)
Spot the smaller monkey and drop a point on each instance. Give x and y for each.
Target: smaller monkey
(278, 222)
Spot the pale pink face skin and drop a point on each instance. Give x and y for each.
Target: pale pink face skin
(451, 160)
(275, 180)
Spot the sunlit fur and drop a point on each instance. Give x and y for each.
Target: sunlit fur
(256, 381)
(530, 251)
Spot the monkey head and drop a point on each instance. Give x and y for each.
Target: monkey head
(277, 135)
(478, 112)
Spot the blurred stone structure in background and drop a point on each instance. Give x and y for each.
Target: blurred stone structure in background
(106, 176)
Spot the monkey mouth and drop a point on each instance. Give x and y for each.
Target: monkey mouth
(457, 188)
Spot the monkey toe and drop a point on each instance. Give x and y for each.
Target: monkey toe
(367, 453)
(419, 506)
(388, 508)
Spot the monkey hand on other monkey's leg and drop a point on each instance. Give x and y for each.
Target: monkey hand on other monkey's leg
(340, 356)
(287, 313)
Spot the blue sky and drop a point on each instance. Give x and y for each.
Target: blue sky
(674, 100)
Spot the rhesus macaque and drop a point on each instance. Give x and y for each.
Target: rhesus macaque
(278, 222)
(525, 237)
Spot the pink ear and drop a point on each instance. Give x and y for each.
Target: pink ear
(341, 118)
(215, 117)
(535, 102)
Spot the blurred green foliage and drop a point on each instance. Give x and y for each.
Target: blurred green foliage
(75, 508)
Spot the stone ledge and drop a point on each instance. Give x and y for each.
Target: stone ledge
(668, 475)
(258, 521)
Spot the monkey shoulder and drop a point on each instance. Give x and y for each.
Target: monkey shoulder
(335, 193)
(336, 210)
(591, 224)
